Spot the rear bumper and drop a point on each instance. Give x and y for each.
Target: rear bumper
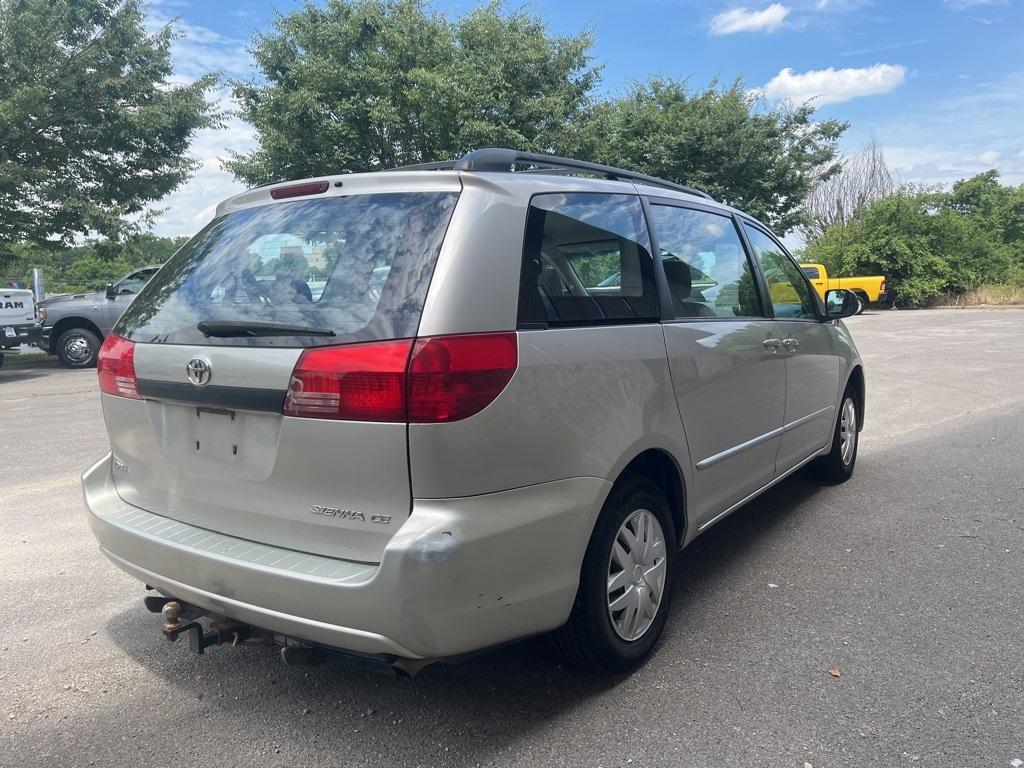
(460, 575)
(23, 334)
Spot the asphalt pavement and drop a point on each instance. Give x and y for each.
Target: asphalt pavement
(906, 582)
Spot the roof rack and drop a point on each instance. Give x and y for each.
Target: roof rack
(494, 159)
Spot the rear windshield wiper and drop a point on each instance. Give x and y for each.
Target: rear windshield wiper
(254, 328)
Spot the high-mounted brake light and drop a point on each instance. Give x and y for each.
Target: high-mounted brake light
(439, 379)
(299, 190)
(116, 367)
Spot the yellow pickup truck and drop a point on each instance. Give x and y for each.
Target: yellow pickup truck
(869, 289)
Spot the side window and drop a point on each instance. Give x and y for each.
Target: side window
(136, 281)
(707, 271)
(586, 259)
(812, 273)
(790, 295)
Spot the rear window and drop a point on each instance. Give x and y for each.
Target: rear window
(356, 266)
(586, 260)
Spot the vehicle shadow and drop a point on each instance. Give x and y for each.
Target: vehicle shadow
(738, 534)
(20, 374)
(492, 701)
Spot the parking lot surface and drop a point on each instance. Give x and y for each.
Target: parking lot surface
(907, 582)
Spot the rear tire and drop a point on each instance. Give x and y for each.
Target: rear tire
(863, 301)
(78, 348)
(630, 562)
(837, 466)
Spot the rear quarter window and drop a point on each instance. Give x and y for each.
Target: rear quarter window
(586, 260)
(357, 266)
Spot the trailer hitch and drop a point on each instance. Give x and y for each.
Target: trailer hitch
(199, 638)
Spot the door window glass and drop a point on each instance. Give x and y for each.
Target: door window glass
(136, 281)
(586, 259)
(787, 287)
(707, 271)
(812, 273)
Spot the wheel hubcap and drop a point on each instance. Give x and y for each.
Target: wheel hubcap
(77, 348)
(636, 575)
(848, 431)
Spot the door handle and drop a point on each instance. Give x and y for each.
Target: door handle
(772, 345)
(791, 345)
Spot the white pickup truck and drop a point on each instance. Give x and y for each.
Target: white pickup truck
(18, 320)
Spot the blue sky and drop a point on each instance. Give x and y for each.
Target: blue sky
(938, 83)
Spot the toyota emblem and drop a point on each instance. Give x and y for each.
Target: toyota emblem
(198, 371)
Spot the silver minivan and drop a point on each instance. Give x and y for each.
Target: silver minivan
(507, 402)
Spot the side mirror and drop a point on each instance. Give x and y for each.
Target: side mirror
(840, 303)
(111, 291)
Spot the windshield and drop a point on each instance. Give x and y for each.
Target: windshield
(357, 266)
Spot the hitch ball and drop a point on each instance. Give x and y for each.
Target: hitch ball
(172, 614)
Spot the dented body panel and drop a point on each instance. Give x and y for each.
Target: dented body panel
(454, 578)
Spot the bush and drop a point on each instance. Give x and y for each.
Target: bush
(88, 267)
(932, 244)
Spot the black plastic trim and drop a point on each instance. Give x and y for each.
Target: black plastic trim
(598, 323)
(234, 398)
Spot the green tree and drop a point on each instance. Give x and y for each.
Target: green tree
(90, 266)
(367, 84)
(722, 140)
(91, 128)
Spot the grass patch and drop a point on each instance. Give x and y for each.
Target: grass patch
(986, 296)
(29, 359)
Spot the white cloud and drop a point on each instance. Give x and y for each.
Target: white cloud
(943, 164)
(957, 137)
(741, 20)
(196, 52)
(961, 5)
(884, 48)
(191, 206)
(831, 86)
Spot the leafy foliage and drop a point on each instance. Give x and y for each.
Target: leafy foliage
(371, 84)
(91, 130)
(361, 85)
(88, 267)
(721, 140)
(932, 243)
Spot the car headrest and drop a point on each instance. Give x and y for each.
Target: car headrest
(678, 275)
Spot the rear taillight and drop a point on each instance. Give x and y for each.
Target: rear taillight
(454, 377)
(116, 367)
(357, 382)
(445, 378)
(882, 288)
